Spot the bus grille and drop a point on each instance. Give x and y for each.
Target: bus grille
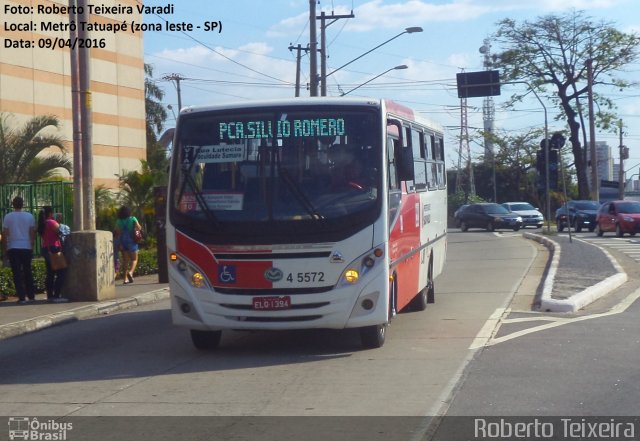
(273, 292)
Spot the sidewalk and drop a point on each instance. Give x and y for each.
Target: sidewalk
(578, 273)
(20, 319)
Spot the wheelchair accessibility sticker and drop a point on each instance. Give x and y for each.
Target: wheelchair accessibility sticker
(227, 274)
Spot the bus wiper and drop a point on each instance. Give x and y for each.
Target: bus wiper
(201, 202)
(299, 194)
(188, 179)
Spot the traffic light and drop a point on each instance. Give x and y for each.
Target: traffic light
(541, 162)
(557, 141)
(553, 169)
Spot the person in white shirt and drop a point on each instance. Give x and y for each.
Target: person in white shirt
(18, 237)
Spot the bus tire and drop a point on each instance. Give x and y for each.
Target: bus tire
(205, 340)
(373, 337)
(427, 295)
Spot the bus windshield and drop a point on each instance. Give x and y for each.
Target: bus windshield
(312, 169)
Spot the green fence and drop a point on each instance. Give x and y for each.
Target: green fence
(58, 194)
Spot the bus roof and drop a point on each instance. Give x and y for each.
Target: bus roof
(392, 107)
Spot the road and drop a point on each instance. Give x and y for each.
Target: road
(137, 363)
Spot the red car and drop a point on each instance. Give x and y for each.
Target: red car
(619, 216)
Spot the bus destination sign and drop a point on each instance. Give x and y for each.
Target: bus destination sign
(297, 128)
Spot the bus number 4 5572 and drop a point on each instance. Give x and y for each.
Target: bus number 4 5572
(306, 277)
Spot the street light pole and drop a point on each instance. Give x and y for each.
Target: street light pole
(402, 66)
(410, 30)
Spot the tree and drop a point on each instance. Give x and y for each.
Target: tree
(156, 115)
(21, 150)
(137, 192)
(554, 51)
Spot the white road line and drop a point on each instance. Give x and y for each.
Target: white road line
(560, 321)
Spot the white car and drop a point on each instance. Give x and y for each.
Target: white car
(531, 216)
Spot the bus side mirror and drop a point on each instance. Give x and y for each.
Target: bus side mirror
(405, 164)
(403, 155)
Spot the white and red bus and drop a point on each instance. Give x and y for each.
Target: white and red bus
(304, 213)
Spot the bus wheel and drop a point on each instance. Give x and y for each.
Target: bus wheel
(372, 337)
(427, 295)
(205, 340)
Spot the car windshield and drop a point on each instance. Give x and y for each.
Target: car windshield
(494, 209)
(629, 207)
(521, 207)
(586, 205)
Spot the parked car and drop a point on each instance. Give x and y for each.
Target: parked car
(489, 216)
(578, 214)
(619, 216)
(531, 216)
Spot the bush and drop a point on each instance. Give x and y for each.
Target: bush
(7, 287)
(147, 264)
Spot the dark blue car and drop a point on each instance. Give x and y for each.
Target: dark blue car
(578, 214)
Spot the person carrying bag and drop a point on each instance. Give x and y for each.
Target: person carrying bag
(125, 237)
(54, 259)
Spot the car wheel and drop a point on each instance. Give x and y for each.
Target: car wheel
(490, 226)
(619, 232)
(599, 231)
(464, 226)
(205, 340)
(516, 228)
(577, 226)
(633, 233)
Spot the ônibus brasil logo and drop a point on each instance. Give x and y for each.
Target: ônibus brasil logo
(33, 429)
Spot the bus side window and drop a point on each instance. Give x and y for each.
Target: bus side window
(392, 145)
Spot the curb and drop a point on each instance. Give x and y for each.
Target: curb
(584, 297)
(59, 318)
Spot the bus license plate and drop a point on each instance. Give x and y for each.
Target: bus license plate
(271, 303)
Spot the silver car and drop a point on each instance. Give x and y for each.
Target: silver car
(531, 216)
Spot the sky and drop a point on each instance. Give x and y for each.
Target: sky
(247, 56)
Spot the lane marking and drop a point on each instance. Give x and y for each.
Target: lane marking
(621, 307)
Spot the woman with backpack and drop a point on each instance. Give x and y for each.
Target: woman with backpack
(126, 225)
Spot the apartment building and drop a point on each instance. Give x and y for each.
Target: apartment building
(35, 77)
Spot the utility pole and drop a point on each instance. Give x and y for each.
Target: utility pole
(464, 144)
(177, 78)
(313, 46)
(595, 194)
(323, 46)
(488, 116)
(86, 123)
(623, 156)
(78, 201)
(299, 49)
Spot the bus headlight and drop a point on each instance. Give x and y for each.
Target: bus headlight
(361, 266)
(191, 274)
(197, 280)
(351, 276)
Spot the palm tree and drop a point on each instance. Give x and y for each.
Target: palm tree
(137, 192)
(20, 149)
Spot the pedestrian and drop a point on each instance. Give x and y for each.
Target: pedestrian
(18, 237)
(65, 231)
(126, 224)
(49, 231)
